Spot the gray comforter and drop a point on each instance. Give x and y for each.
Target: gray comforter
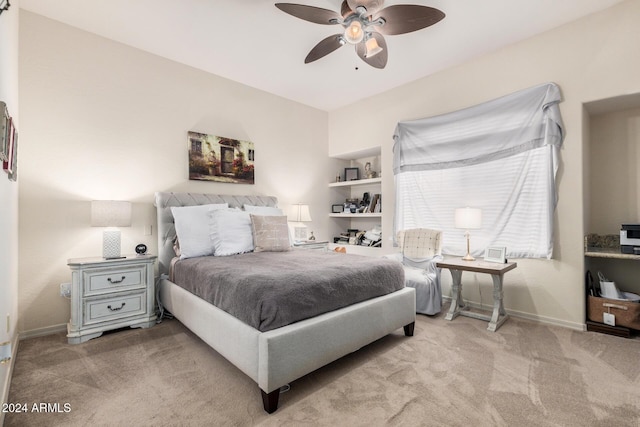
(268, 290)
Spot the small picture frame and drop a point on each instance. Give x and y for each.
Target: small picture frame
(337, 208)
(299, 233)
(496, 254)
(4, 132)
(7, 164)
(351, 174)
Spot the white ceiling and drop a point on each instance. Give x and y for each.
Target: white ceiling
(254, 43)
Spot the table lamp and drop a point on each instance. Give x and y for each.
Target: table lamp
(110, 214)
(468, 219)
(297, 215)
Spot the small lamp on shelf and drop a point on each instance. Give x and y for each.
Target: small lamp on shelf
(468, 219)
(297, 215)
(110, 214)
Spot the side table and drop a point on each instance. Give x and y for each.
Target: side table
(456, 266)
(110, 294)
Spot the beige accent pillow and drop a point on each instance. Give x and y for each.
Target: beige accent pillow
(270, 233)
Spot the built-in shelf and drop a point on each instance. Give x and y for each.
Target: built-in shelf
(609, 253)
(356, 215)
(356, 182)
(342, 191)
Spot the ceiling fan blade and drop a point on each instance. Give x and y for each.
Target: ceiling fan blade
(379, 60)
(313, 14)
(372, 6)
(324, 48)
(405, 18)
(345, 10)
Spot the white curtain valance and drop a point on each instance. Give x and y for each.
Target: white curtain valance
(495, 129)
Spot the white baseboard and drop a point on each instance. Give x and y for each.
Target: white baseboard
(529, 316)
(4, 395)
(40, 332)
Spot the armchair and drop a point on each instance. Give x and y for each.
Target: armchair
(420, 250)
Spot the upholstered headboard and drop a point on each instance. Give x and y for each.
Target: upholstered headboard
(166, 228)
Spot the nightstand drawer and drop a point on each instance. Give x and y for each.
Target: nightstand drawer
(110, 280)
(106, 309)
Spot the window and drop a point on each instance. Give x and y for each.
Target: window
(499, 156)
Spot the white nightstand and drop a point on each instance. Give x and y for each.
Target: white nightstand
(110, 294)
(312, 244)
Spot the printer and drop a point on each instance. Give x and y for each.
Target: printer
(630, 239)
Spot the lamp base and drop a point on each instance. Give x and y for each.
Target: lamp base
(111, 244)
(468, 257)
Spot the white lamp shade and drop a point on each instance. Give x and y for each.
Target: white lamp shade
(110, 213)
(373, 48)
(354, 32)
(468, 218)
(299, 213)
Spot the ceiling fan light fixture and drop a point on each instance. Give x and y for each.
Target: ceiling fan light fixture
(354, 32)
(363, 23)
(373, 48)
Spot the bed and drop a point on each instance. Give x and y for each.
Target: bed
(277, 356)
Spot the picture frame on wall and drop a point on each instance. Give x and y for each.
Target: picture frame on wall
(4, 132)
(13, 174)
(220, 159)
(7, 164)
(351, 174)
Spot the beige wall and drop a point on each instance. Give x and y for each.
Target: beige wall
(105, 121)
(8, 195)
(614, 180)
(101, 120)
(590, 59)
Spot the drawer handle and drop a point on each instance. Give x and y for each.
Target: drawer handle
(116, 281)
(116, 309)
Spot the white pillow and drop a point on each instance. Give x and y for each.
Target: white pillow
(230, 232)
(192, 229)
(263, 210)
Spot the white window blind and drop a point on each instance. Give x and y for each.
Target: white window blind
(500, 156)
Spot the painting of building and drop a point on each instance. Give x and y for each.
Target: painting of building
(220, 159)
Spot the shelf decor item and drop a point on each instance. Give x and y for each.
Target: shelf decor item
(351, 174)
(4, 5)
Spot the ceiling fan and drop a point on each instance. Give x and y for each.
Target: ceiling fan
(365, 22)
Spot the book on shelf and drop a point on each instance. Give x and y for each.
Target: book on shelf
(375, 206)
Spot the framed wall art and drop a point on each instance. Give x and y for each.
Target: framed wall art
(220, 159)
(4, 132)
(7, 163)
(13, 173)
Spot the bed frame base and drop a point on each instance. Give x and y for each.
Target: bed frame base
(408, 329)
(270, 400)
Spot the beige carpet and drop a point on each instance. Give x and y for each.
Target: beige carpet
(449, 374)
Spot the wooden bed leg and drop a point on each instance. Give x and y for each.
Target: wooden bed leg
(408, 329)
(270, 400)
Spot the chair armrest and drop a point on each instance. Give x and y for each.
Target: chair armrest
(397, 256)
